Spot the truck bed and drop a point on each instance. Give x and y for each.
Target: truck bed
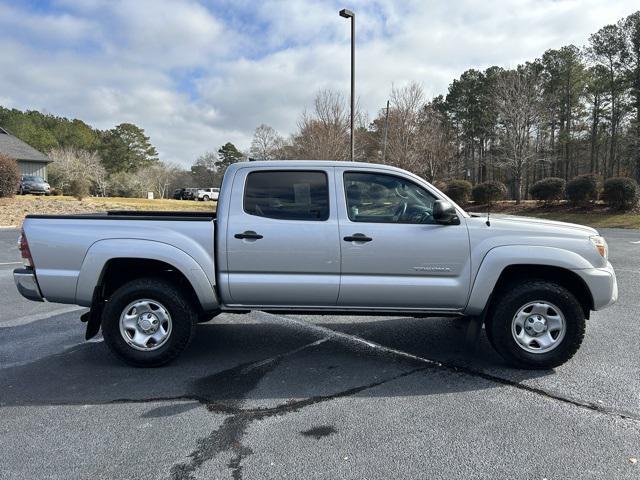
(70, 251)
(135, 215)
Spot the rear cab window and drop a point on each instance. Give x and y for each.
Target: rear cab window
(287, 195)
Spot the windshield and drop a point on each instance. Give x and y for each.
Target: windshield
(32, 178)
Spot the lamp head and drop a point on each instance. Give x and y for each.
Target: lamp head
(346, 13)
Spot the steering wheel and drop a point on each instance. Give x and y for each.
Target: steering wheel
(419, 214)
(400, 211)
(401, 193)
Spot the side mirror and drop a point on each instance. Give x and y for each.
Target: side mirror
(444, 213)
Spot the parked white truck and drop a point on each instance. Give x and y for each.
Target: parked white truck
(321, 237)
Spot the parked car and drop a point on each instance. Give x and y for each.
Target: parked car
(322, 237)
(206, 194)
(185, 193)
(190, 193)
(33, 184)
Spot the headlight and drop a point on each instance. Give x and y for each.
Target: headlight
(601, 244)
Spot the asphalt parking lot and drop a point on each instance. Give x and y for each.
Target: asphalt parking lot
(267, 396)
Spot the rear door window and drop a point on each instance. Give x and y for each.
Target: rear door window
(287, 195)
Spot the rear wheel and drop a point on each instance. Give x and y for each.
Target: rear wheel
(148, 322)
(206, 198)
(536, 325)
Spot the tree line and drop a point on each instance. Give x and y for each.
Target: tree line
(572, 111)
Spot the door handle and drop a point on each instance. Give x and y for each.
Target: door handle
(358, 237)
(249, 234)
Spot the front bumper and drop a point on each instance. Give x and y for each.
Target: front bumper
(27, 284)
(35, 189)
(602, 284)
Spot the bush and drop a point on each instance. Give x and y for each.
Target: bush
(582, 189)
(620, 192)
(459, 191)
(548, 190)
(79, 188)
(440, 185)
(9, 176)
(489, 192)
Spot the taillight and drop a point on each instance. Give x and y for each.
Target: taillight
(23, 246)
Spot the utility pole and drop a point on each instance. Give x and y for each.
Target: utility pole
(386, 131)
(344, 13)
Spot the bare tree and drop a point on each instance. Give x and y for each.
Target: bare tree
(324, 133)
(266, 143)
(74, 164)
(435, 147)
(156, 178)
(516, 99)
(403, 137)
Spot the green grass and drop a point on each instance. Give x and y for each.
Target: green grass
(596, 216)
(596, 220)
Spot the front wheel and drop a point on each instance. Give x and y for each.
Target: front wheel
(148, 322)
(206, 198)
(536, 325)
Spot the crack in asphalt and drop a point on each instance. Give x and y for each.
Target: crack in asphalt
(228, 437)
(349, 338)
(230, 387)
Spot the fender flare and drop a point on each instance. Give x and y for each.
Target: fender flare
(499, 258)
(103, 251)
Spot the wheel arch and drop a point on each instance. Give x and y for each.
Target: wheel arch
(561, 276)
(111, 263)
(504, 265)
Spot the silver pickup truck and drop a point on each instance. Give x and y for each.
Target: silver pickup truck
(321, 237)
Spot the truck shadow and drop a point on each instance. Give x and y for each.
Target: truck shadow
(261, 362)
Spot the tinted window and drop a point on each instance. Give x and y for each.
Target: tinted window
(378, 198)
(31, 178)
(287, 195)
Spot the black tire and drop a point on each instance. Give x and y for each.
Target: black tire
(177, 303)
(206, 198)
(507, 304)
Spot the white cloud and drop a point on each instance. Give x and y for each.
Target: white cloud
(196, 75)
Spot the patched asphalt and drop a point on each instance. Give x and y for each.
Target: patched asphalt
(269, 396)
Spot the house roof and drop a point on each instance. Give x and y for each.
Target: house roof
(16, 148)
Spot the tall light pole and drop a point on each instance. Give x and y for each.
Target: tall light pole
(344, 13)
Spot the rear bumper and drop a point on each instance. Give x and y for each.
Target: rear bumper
(27, 284)
(602, 284)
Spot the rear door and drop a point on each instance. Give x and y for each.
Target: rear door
(393, 253)
(282, 238)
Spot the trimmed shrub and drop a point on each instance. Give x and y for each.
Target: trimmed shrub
(488, 192)
(459, 191)
(548, 190)
(79, 188)
(9, 176)
(440, 185)
(582, 189)
(620, 193)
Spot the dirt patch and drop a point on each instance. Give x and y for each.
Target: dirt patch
(13, 210)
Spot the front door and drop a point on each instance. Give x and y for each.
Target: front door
(282, 238)
(393, 254)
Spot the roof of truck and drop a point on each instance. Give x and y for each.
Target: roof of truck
(315, 163)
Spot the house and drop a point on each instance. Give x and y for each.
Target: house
(30, 160)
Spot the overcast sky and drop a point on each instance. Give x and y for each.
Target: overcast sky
(195, 75)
